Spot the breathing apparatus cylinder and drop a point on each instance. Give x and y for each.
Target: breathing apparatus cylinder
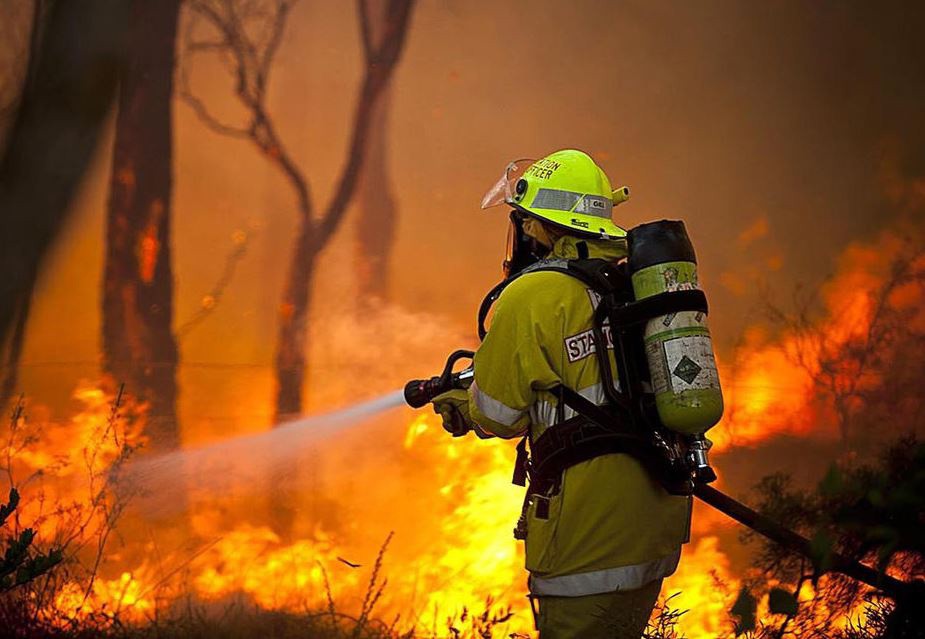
(678, 347)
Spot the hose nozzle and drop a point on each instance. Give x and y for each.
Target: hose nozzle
(420, 392)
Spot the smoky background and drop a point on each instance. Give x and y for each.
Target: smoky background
(785, 135)
(770, 129)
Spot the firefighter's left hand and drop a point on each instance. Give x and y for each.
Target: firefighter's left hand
(453, 408)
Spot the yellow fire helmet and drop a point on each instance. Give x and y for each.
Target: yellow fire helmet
(565, 188)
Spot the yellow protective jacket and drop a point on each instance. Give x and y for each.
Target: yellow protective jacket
(609, 525)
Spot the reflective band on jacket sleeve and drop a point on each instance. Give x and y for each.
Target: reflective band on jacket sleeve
(544, 413)
(607, 580)
(493, 409)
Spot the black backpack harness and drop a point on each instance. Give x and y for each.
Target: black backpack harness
(627, 422)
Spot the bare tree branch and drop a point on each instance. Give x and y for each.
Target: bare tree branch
(365, 30)
(378, 71)
(850, 369)
(192, 47)
(250, 59)
(246, 35)
(211, 300)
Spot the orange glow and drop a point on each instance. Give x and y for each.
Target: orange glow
(468, 557)
(773, 385)
(449, 501)
(761, 130)
(705, 588)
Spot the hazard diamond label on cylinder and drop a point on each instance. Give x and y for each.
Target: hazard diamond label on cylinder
(687, 369)
(690, 360)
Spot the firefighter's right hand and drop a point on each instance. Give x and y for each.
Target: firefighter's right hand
(453, 408)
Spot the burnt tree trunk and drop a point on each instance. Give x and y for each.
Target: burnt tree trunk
(292, 336)
(70, 81)
(139, 347)
(13, 346)
(314, 234)
(375, 228)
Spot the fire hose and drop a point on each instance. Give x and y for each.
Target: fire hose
(420, 392)
(795, 542)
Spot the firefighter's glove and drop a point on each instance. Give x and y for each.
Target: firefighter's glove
(453, 408)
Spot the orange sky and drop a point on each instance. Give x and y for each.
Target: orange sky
(775, 131)
(762, 127)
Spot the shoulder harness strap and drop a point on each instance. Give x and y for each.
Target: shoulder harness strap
(596, 430)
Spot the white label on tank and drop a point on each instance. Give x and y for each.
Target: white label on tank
(675, 321)
(690, 364)
(657, 369)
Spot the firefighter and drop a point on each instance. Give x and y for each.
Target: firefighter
(599, 540)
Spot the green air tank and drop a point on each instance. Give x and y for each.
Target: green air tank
(678, 348)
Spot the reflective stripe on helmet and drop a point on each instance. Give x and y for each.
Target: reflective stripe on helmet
(492, 408)
(595, 205)
(555, 200)
(607, 580)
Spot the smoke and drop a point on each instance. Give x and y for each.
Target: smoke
(714, 114)
(242, 461)
(761, 127)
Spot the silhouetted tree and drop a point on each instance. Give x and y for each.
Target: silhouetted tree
(869, 510)
(20, 35)
(378, 214)
(139, 347)
(869, 376)
(67, 92)
(246, 37)
(19, 79)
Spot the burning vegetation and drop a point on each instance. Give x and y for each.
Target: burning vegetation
(451, 568)
(128, 515)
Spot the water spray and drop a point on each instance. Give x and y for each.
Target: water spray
(243, 461)
(247, 460)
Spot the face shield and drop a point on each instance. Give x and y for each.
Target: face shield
(504, 189)
(522, 249)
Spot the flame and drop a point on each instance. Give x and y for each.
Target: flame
(64, 465)
(471, 560)
(449, 501)
(479, 559)
(774, 383)
(276, 576)
(468, 563)
(125, 596)
(703, 586)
